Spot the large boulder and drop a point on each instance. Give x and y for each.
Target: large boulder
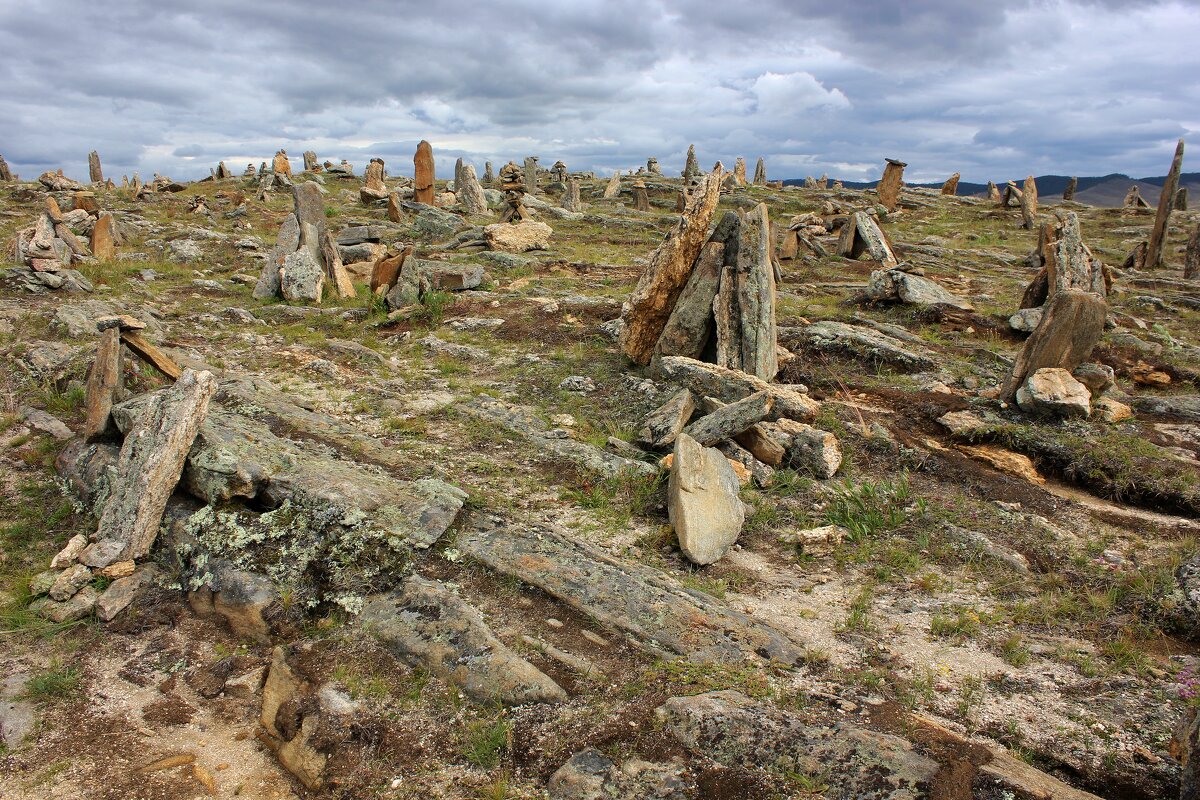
(702, 501)
(302, 279)
(1053, 391)
(518, 238)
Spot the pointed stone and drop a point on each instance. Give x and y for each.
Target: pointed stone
(862, 234)
(95, 174)
(103, 239)
(690, 326)
(650, 305)
(469, 192)
(691, 168)
(1071, 325)
(531, 174)
(950, 187)
(1181, 199)
(5, 173)
(286, 243)
(1166, 198)
(335, 271)
(1029, 204)
(1072, 187)
(150, 463)
(760, 173)
(739, 171)
(756, 295)
(702, 501)
(423, 173)
(489, 176)
(993, 193)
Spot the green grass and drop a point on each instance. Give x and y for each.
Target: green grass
(485, 742)
(868, 508)
(52, 685)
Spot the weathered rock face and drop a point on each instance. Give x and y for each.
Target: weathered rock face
(760, 173)
(1071, 325)
(689, 329)
(890, 184)
(863, 235)
(893, 285)
(659, 287)
(104, 382)
(469, 192)
(1166, 197)
(691, 167)
(1029, 204)
(1052, 391)
(867, 344)
(591, 775)
(302, 278)
(734, 730)
(104, 238)
(423, 175)
(149, 466)
(652, 610)
(570, 198)
(727, 420)
(660, 428)
(739, 171)
(806, 449)
(5, 173)
(731, 385)
(702, 501)
(1069, 263)
(426, 625)
(745, 306)
(950, 187)
(508, 238)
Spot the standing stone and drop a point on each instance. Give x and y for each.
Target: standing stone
(1134, 199)
(310, 161)
(861, 234)
(309, 208)
(1191, 261)
(1181, 199)
(531, 175)
(470, 193)
(691, 168)
(335, 270)
(739, 171)
(690, 326)
(5, 173)
(760, 173)
(993, 193)
(570, 196)
(489, 177)
(423, 175)
(1071, 325)
(148, 468)
(1072, 187)
(393, 208)
(458, 167)
(373, 189)
(1165, 199)
(950, 187)
(280, 164)
(104, 238)
(286, 243)
(889, 185)
(104, 381)
(652, 166)
(559, 171)
(613, 188)
(702, 501)
(1069, 262)
(650, 305)
(301, 277)
(755, 288)
(95, 174)
(641, 200)
(1029, 204)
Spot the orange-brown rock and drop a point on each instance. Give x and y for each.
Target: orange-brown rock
(889, 185)
(423, 174)
(103, 242)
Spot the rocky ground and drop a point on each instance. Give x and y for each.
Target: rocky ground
(414, 555)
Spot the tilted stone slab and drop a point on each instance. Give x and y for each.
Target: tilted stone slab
(650, 608)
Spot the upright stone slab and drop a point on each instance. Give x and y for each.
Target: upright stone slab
(470, 193)
(309, 208)
(641, 199)
(1072, 187)
(1181, 199)
(95, 174)
(373, 188)
(690, 326)
(950, 187)
(531, 175)
(310, 161)
(1191, 260)
(613, 187)
(104, 381)
(1165, 199)
(104, 238)
(1071, 325)
(650, 305)
(1029, 204)
(489, 176)
(570, 197)
(756, 295)
(1069, 262)
(993, 193)
(301, 277)
(423, 174)
(760, 173)
(148, 468)
(702, 501)
(691, 168)
(889, 185)
(739, 171)
(280, 164)
(286, 243)
(861, 234)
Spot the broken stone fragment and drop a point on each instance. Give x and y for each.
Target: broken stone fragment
(103, 384)
(1054, 392)
(426, 625)
(725, 421)
(690, 326)
(75, 608)
(730, 385)
(662, 425)
(806, 449)
(523, 236)
(70, 581)
(1071, 326)
(702, 501)
(590, 775)
(123, 591)
(239, 596)
(892, 285)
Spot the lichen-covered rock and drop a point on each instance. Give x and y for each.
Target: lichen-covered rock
(591, 775)
(892, 285)
(702, 501)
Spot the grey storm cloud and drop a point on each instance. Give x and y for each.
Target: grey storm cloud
(987, 89)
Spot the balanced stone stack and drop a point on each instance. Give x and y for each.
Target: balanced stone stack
(305, 254)
(559, 171)
(800, 240)
(46, 251)
(652, 166)
(512, 183)
(280, 164)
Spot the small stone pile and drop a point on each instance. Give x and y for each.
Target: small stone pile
(46, 251)
(305, 254)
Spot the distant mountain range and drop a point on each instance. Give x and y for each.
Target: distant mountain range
(1105, 191)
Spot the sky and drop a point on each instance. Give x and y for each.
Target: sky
(991, 90)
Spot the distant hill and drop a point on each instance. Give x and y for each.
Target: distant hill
(1104, 191)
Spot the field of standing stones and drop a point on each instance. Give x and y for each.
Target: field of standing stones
(545, 484)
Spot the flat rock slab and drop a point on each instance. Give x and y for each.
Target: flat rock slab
(865, 343)
(731, 385)
(651, 609)
(520, 421)
(855, 762)
(427, 625)
(892, 285)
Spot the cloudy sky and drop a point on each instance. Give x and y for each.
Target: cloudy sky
(992, 90)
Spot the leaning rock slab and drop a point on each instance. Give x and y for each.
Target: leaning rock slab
(150, 463)
(702, 501)
(427, 625)
(731, 385)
